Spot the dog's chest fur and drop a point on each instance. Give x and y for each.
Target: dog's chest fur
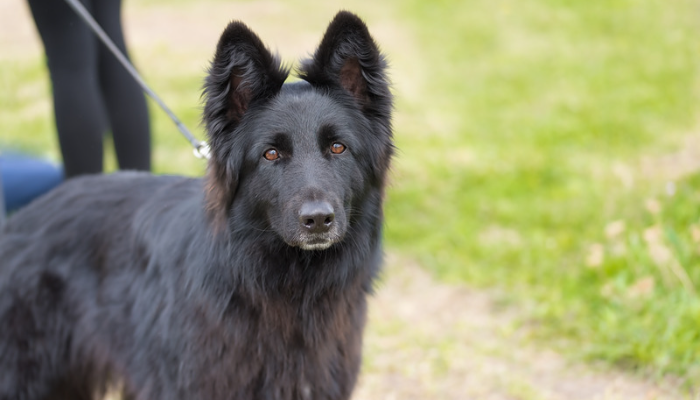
(283, 340)
(289, 351)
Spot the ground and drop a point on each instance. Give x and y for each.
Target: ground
(431, 340)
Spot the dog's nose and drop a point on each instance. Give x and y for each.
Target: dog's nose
(316, 216)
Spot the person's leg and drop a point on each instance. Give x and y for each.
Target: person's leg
(78, 107)
(124, 98)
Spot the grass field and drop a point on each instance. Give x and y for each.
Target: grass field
(542, 171)
(549, 149)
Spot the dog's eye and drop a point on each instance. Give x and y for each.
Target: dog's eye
(271, 154)
(337, 148)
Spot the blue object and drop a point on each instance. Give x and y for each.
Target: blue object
(23, 178)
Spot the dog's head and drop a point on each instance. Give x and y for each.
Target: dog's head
(299, 159)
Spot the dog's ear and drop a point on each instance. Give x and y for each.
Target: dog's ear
(349, 59)
(243, 72)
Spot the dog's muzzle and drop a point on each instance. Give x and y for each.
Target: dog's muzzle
(317, 225)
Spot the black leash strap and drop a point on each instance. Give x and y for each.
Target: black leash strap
(201, 148)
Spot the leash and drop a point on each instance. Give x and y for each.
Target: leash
(200, 148)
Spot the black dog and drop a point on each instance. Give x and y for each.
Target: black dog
(249, 284)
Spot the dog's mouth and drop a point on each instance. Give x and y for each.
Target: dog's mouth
(315, 242)
(316, 245)
(310, 242)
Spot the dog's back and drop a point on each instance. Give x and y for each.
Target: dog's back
(59, 260)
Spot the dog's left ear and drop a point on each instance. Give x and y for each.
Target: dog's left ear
(349, 59)
(243, 73)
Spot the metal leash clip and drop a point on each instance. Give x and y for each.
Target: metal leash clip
(202, 150)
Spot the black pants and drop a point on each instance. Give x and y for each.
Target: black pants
(92, 92)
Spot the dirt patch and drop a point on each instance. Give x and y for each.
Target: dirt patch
(18, 36)
(430, 340)
(675, 165)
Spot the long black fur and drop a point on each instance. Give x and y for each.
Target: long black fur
(214, 288)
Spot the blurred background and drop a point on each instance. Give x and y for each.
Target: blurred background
(543, 220)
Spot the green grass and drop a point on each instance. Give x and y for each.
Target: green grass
(521, 128)
(545, 101)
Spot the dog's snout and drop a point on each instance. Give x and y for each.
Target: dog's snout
(316, 216)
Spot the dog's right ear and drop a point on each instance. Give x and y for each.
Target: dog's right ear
(244, 72)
